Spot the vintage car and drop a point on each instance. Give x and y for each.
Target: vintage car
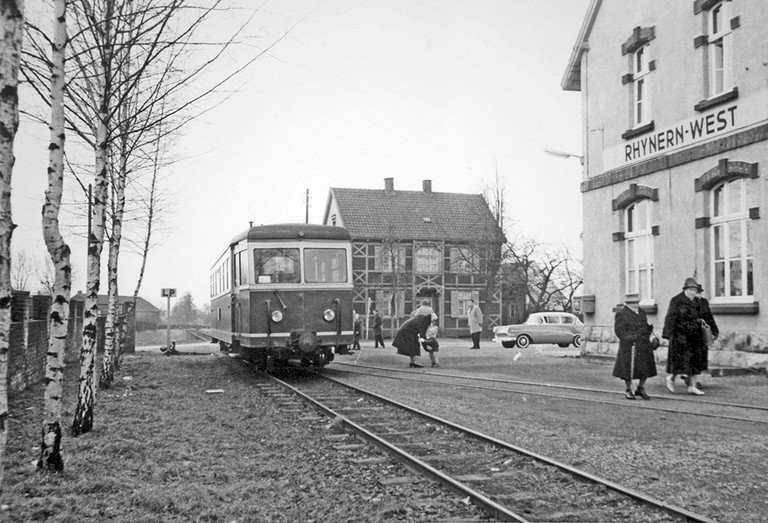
(561, 328)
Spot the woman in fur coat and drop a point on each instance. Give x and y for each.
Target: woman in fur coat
(635, 359)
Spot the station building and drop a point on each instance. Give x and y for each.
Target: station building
(675, 143)
(409, 246)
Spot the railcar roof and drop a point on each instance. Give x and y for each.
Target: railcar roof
(292, 231)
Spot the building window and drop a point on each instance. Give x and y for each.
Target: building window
(427, 260)
(732, 261)
(719, 49)
(463, 260)
(641, 97)
(389, 258)
(390, 303)
(460, 302)
(638, 234)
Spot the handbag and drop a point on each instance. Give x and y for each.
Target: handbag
(654, 342)
(706, 334)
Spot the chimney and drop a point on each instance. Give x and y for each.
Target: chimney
(427, 186)
(389, 186)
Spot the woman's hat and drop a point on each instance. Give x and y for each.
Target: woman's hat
(632, 298)
(691, 283)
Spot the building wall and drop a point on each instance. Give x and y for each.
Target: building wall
(439, 287)
(682, 246)
(28, 337)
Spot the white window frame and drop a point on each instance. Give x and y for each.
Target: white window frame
(719, 42)
(638, 245)
(426, 260)
(390, 303)
(641, 94)
(464, 260)
(721, 221)
(384, 255)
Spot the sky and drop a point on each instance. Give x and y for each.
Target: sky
(452, 91)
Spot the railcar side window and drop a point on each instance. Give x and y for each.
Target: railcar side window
(325, 265)
(276, 265)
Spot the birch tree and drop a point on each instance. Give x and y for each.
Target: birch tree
(58, 317)
(138, 55)
(12, 20)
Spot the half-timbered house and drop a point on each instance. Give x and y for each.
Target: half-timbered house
(410, 246)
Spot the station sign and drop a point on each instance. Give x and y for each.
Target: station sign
(168, 293)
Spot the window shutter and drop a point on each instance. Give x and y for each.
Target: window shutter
(454, 304)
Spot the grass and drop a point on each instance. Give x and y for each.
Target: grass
(165, 450)
(147, 338)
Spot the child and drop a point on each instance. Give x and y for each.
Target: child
(429, 342)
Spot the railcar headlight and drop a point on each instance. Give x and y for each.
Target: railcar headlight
(277, 316)
(329, 315)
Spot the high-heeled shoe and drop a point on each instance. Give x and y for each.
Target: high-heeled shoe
(628, 394)
(640, 391)
(695, 391)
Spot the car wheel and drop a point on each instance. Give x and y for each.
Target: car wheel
(577, 341)
(508, 344)
(523, 341)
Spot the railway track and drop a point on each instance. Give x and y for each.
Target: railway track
(678, 405)
(507, 482)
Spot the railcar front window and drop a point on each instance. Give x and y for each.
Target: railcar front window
(276, 265)
(325, 265)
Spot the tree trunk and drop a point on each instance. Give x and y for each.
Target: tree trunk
(58, 318)
(12, 20)
(110, 334)
(83, 421)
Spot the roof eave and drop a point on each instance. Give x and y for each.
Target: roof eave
(572, 77)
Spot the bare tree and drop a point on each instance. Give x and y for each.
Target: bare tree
(22, 269)
(58, 317)
(12, 28)
(393, 266)
(128, 60)
(46, 276)
(549, 275)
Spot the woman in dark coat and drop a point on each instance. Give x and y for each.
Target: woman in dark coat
(635, 360)
(407, 338)
(706, 314)
(682, 327)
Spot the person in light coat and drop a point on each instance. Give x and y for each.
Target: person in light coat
(475, 317)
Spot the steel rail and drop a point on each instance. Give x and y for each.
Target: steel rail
(635, 494)
(559, 386)
(484, 503)
(635, 405)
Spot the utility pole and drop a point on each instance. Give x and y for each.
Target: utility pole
(306, 206)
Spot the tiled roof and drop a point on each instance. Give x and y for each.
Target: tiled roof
(370, 214)
(142, 305)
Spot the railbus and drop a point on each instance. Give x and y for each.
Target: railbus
(283, 292)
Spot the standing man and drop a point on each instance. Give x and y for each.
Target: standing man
(356, 330)
(475, 317)
(377, 330)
